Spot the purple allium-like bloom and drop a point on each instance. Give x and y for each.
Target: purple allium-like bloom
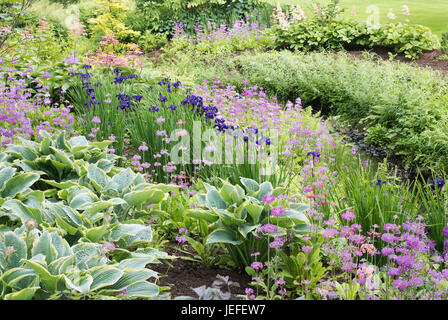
(268, 228)
(277, 212)
(257, 265)
(329, 233)
(389, 237)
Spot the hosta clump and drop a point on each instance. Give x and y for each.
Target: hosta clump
(96, 204)
(245, 221)
(42, 265)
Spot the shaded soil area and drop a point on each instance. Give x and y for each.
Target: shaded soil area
(183, 275)
(434, 59)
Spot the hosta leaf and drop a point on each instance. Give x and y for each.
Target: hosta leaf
(105, 165)
(254, 211)
(20, 250)
(96, 234)
(81, 284)
(50, 281)
(60, 185)
(265, 189)
(80, 199)
(299, 206)
(22, 152)
(146, 196)
(18, 278)
(246, 228)
(251, 185)
(215, 200)
(18, 209)
(101, 144)
(24, 294)
(84, 252)
(102, 205)
(131, 233)
(5, 175)
(19, 184)
(122, 180)
(61, 265)
(136, 262)
(130, 277)
(201, 214)
(104, 276)
(61, 245)
(78, 141)
(44, 246)
(226, 191)
(97, 176)
(166, 187)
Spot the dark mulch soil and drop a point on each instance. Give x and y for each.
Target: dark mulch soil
(427, 59)
(184, 275)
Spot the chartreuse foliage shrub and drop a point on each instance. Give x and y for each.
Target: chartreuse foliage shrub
(69, 218)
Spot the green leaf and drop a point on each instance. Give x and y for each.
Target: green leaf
(201, 214)
(131, 233)
(18, 278)
(130, 277)
(102, 205)
(43, 246)
(18, 209)
(96, 234)
(5, 175)
(81, 284)
(254, 211)
(84, 252)
(97, 176)
(50, 281)
(265, 189)
(122, 180)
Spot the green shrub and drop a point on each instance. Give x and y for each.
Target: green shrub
(313, 34)
(401, 107)
(237, 215)
(444, 43)
(411, 40)
(159, 15)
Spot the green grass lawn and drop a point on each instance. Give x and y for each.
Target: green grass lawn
(430, 13)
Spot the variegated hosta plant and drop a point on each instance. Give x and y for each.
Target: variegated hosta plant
(236, 218)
